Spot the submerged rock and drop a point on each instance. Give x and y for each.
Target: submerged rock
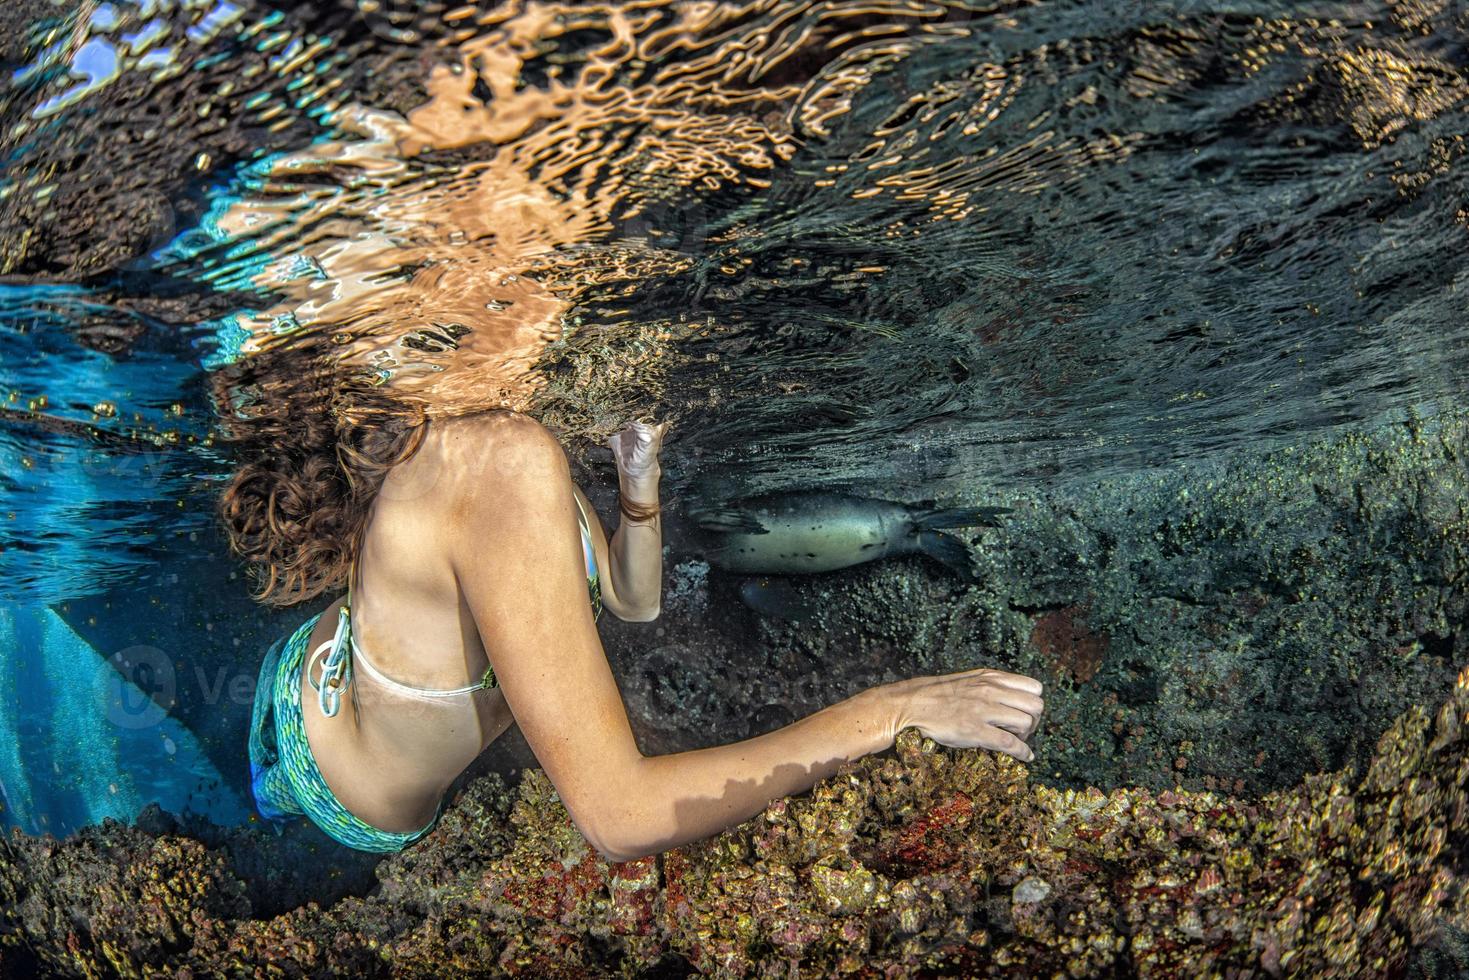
(924, 861)
(1063, 637)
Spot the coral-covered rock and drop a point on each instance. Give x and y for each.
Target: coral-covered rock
(1063, 637)
(923, 862)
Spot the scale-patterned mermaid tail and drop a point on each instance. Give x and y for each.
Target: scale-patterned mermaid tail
(79, 742)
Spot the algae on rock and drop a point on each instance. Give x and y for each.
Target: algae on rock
(924, 862)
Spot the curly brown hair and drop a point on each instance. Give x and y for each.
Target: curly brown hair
(316, 448)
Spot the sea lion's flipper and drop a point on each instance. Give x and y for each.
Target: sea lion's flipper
(729, 520)
(959, 517)
(948, 551)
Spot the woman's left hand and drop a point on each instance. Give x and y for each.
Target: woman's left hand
(635, 450)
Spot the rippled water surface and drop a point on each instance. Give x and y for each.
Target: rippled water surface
(911, 247)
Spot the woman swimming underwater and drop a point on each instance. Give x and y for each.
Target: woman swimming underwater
(474, 570)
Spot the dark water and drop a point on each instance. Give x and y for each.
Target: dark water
(911, 249)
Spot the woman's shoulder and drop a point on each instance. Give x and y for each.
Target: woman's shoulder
(503, 428)
(491, 454)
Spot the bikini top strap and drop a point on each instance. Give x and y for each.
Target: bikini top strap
(336, 669)
(581, 515)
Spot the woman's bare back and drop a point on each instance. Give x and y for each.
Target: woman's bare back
(389, 758)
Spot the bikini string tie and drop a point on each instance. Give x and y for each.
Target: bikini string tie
(336, 669)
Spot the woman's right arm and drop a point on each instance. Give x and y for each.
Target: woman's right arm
(518, 560)
(702, 792)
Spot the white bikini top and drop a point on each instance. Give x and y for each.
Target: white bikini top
(336, 671)
(330, 691)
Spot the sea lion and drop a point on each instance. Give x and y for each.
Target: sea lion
(801, 533)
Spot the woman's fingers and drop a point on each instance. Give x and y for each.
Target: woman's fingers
(982, 708)
(652, 435)
(1029, 703)
(639, 435)
(1013, 720)
(999, 740)
(1018, 682)
(1001, 678)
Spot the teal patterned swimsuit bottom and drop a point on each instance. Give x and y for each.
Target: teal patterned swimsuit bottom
(284, 777)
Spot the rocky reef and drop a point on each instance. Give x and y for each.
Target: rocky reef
(925, 862)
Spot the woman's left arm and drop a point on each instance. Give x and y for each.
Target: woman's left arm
(632, 583)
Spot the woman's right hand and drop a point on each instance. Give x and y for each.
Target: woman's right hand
(973, 709)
